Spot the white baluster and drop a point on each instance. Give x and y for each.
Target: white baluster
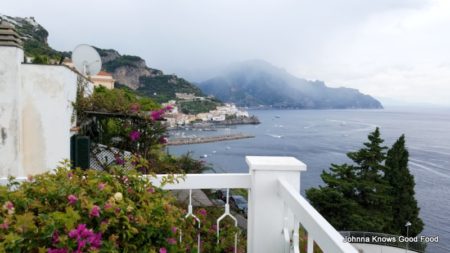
(225, 214)
(295, 237)
(310, 248)
(191, 214)
(285, 232)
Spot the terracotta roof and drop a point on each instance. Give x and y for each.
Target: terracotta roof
(104, 73)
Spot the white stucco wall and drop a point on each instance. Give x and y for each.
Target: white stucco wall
(372, 248)
(36, 114)
(48, 92)
(10, 118)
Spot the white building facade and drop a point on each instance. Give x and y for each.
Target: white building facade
(36, 112)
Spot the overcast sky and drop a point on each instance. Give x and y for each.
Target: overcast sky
(397, 49)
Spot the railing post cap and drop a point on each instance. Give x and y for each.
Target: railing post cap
(276, 163)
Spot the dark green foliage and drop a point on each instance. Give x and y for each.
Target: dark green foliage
(41, 59)
(404, 205)
(163, 88)
(368, 195)
(117, 100)
(197, 106)
(35, 44)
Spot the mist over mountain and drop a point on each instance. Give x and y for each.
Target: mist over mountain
(258, 83)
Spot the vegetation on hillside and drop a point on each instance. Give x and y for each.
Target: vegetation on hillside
(116, 100)
(375, 193)
(35, 45)
(163, 88)
(197, 106)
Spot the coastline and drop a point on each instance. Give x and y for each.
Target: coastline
(207, 139)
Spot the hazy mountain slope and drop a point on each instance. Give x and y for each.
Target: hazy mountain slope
(133, 72)
(255, 83)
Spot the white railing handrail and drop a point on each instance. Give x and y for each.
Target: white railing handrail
(326, 236)
(205, 181)
(275, 206)
(4, 180)
(189, 181)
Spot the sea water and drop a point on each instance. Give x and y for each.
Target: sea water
(321, 137)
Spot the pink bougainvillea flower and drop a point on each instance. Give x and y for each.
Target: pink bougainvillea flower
(8, 205)
(101, 186)
(162, 250)
(151, 190)
(4, 225)
(119, 160)
(171, 241)
(72, 199)
(57, 251)
(135, 135)
(107, 206)
(95, 211)
(135, 108)
(55, 237)
(163, 140)
(202, 211)
(156, 115)
(174, 230)
(84, 237)
(168, 108)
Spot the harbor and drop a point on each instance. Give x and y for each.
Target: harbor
(206, 139)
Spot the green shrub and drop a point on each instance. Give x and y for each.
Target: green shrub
(95, 211)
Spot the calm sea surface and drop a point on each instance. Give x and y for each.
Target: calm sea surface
(321, 137)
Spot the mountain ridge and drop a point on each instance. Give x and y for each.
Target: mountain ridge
(257, 83)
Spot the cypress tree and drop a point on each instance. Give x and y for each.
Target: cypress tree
(356, 197)
(404, 204)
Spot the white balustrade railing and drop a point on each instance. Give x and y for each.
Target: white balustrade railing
(275, 207)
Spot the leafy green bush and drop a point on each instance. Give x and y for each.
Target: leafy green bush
(114, 101)
(197, 106)
(93, 211)
(81, 211)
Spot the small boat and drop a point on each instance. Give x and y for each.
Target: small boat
(204, 156)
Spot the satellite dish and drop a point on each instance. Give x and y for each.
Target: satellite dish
(86, 60)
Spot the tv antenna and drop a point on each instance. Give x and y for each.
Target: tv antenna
(86, 60)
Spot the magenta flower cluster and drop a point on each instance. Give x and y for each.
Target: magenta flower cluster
(163, 140)
(135, 135)
(57, 251)
(95, 211)
(157, 115)
(135, 108)
(85, 238)
(72, 199)
(119, 159)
